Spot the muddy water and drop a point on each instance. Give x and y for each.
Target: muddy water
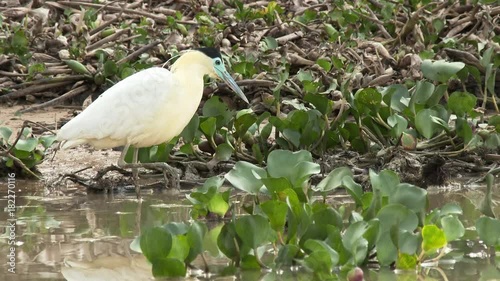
(78, 236)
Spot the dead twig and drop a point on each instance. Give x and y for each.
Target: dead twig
(68, 95)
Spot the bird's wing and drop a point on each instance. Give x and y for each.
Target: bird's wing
(123, 110)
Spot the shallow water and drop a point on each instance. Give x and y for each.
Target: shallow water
(80, 236)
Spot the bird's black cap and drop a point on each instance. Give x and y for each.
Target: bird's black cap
(211, 52)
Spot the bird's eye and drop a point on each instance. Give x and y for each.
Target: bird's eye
(218, 62)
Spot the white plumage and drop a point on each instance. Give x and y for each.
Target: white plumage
(147, 108)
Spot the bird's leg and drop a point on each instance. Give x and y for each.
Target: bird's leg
(135, 172)
(133, 166)
(158, 165)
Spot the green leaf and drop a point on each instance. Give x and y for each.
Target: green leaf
(424, 122)
(47, 141)
(398, 124)
(210, 241)
(276, 211)
(168, 267)
(218, 205)
(406, 262)
(214, 107)
(156, 243)
(319, 262)
(386, 181)
(368, 98)
(325, 64)
(463, 129)
(354, 189)
(254, 230)
(488, 229)
(334, 179)
(453, 227)
(243, 177)
(397, 214)
(270, 42)
(27, 144)
(411, 196)
(208, 126)
(433, 238)
(180, 248)
(229, 242)
(320, 102)
(286, 255)
(440, 70)
(314, 245)
(423, 91)
(195, 237)
(297, 167)
(110, 68)
(189, 132)
(354, 241)
(461, 103)
(304, 75)
(276, 185)
(397, 97)
(223, 152)
(176, 228)
(5, 134)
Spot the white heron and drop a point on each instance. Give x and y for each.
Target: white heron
(147, 108)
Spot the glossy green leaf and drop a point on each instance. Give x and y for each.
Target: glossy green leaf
(319, 262)
(229, 242)
(325, 64)
(223, 152)
(27, 144)
(318, 245)
(208, 126)
(189, 132)
(156, 243)
(453, 227)
(398, 124)
(320, 102)
(386, 181)
(440, 70)
(218, 205)
(210, 241)
(488, 229)
(180, 248)
(276, 211)
(254, 230)
(396, 96)
(195, 237)
(393, 214)
(294, 166)
(423, 91)
(433, 238)
(354, 189)
(275, 185)
(411, 196)
(168, 267)
(424, 123)
(334, 179)
(243, 177)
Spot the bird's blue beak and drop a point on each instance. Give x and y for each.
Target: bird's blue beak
(224, 75)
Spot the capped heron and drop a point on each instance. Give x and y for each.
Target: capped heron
(147, 108)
